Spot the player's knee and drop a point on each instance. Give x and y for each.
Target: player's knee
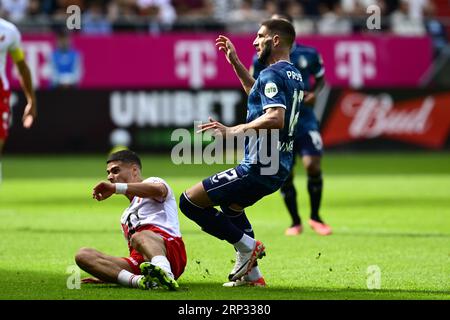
(136, 240)
(84, 256)
(188, 208)
(202, 216)
(313, 167)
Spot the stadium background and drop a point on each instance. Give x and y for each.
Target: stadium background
(147, 70)
(139, 68)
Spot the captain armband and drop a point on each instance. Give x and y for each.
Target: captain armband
(17, 54)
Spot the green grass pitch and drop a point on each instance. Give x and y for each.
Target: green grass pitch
(391, 211)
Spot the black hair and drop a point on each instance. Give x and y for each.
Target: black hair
(281, 27)
(126, 156)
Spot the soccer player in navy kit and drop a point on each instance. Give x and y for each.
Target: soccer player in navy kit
(308, 141)
(273, 104)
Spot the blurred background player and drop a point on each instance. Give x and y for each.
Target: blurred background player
(150, 226)
(66, 63)
(308, 141)
(10, 42)
(273, 103)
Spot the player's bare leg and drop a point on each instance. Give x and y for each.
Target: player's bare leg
(312, 165)
(156, 268)
(149, 244)
(107, 268)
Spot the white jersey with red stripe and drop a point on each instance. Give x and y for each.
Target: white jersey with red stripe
(10, 40)
(159, 212)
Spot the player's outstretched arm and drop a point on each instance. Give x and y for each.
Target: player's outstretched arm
(310, 97)
(226, 46)
(30, 112)
(273, 118)
(103, 190)
(147, 190)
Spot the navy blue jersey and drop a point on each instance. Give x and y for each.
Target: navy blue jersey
(279, 85)
(310, 63)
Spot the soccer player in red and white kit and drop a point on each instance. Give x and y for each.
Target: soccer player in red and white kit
(10, 42)
(150, 225)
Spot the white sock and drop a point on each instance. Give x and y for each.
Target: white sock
(246, 244)
(163, 263)
(254, 274)
(128, 279)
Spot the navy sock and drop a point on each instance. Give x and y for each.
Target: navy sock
(211, 221)
(290, 199)
(315, 185)
(240, 220)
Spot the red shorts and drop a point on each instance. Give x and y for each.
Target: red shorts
(175, 252)
(4, 113)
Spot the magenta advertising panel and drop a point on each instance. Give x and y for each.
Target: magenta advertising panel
(191, 61)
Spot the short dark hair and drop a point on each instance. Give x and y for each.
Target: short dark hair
(281, 27)
(126, 156)
(284, 16)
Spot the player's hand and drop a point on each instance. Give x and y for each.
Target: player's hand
(217, 127)
(103, 190)
(29, 115)
(224, 44)
(92, 280)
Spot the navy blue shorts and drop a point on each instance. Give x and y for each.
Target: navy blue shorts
(233, 186)
(308, 143)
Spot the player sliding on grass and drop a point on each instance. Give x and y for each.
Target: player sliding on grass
(273, 104)
(150, 225)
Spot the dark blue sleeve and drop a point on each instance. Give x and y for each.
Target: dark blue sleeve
(272, 90)
(316, 65)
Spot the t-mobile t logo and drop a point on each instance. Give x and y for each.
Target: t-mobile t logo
(195, 60)
(355, 61)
